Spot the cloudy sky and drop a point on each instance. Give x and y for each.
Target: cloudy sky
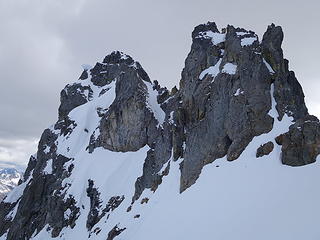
(43, 44)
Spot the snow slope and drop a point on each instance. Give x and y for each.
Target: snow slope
(248, 198)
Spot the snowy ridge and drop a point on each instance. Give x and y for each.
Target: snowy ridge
(101, 166)
(249, 207)
(166, 201)
(129, 159)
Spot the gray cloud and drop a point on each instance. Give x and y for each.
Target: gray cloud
(15, 153)
(44, 42)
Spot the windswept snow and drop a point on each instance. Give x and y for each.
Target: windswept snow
(86, 117)
(268, 66)
(238, 92)
(273, 111)
(213, 70)
(229, 68)
(13, 212)
(153, 105)
(16, 194)
(124, 56)
(46, 150)
(248, 198)
(48, 168)
(215, 37)
(248, 41)
(113, 173)
(241, 33)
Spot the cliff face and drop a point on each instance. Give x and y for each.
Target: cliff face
(225, 91)
(119, 136)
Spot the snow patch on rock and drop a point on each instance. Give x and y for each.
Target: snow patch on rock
(212, 71)
(48, 168)
(229, 68)
(153, 105)
(238, 92)
(248, 41)
(268, 66)
(215, 37)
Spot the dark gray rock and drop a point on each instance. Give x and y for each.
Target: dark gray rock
(115, 231)
(215, 115)
(95, 205)
(265, 149)
(287, 90)
(43, 202)
(84, 75)
(113, 203)
(151, 178)
(111, 67)
(73, 96)
(94, 214)
(301, 145)
(128, 125)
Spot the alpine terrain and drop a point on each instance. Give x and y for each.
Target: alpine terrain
(229, 154)
(9, 178)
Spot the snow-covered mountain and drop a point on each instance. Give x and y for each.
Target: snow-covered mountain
(9, 178)
(231, 154)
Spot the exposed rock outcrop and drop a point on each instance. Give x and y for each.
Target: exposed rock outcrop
(230, 87)
(288, 92)
(301, 145)
(265, 149)
(225, 108)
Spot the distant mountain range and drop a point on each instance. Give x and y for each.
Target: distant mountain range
(9, 178)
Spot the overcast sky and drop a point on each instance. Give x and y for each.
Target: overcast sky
(43, 44)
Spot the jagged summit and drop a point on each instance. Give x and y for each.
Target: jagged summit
(225, 89)
(115, 66)
(117, 57)
(125, 149)
(111, 62)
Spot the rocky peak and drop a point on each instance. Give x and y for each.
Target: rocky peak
(117, 57)
(271, 47)
(236, 95)
(288, 92)
(114, 66)
(226, 90)
(203, 30)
